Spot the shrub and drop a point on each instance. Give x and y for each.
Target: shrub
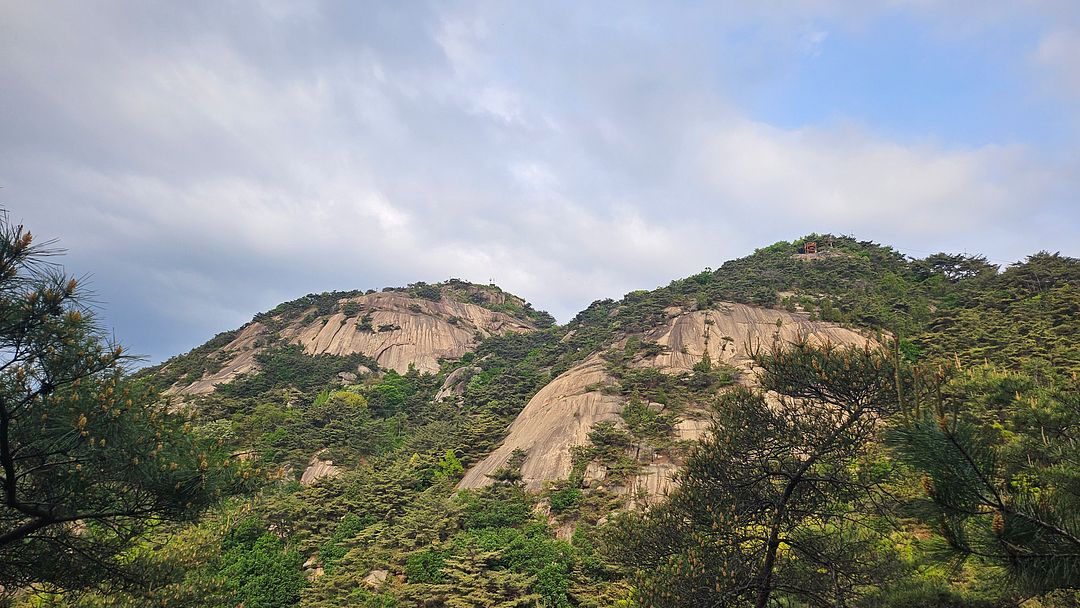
(426, 566)
(564, 499)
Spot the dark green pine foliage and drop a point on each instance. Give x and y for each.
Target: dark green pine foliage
(90, 461)
(1000, 473)
(779, 503)
(470, 581)
(288, 365)
(189, 367)
(259, 569)
(1027, 317)
(851, 281)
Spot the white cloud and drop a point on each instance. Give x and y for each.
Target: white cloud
(534, 176)
(1058, 54)
(229, 163)
(844, 177)
(500, 103)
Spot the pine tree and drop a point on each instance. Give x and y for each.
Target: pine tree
(471, 582)
(776, 502)
(89, 460)
(999, 465)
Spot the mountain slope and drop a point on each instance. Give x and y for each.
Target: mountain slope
(563, 413)
(505, 462)
(396, 329)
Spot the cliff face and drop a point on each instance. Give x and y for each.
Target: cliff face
(405, 330)
(394, 329)
(561, 414)
(728, 330)
(398, 328)
(558, 417)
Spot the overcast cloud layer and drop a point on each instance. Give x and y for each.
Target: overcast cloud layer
(205, 161)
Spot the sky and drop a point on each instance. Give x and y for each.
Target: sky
(204, 161)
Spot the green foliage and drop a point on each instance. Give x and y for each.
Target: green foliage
(645, 422)
(425, 291)
(351, 309)
(852, 281)
(609, 446)
(259, 568)
(324, 304)
(449, 467)
(339, 424)
(189, 367)
(997, 456)
(500, 506)
(511, 473)
(565, 499)
(487, 296)
(89, 459)
(288, 365)
(1025, 318)
(426, 566)
(777, 504)
(921, 592)
(471, 581)
(365, 324)
(335, 548)
(392, 393)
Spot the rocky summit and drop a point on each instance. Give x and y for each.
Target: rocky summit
(830, 405)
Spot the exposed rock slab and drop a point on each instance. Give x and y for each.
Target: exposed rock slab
(318, 469)
(456, 382)
(692, 429)
(654, 481)
(729, 331)
(241, 352)
(559, 416)
(376, 579)
(394, 329)
(562, 414)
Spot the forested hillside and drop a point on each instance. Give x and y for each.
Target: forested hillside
(903, 434)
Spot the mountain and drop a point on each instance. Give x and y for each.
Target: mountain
(423, 326)
(448, 442)
(844, 293)
(563, 413)
(396, 328)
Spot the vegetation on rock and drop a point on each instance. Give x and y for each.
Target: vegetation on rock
(935, 466)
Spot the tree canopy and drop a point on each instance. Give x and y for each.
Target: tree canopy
(89, 460)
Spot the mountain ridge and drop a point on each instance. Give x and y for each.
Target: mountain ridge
(515, 454)
(395, 327)
(435, 328)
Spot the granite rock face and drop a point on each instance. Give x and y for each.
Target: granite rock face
(559, 416)
(729, 331)
(562, 413)
(318, 469)
(391, 327)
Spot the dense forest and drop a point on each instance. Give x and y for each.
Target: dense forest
(937, 465)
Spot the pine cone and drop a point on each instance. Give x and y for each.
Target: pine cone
(998, 524)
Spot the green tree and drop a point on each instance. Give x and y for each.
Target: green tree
(999, 467)
(773, 504)
(449, 467)
(89, 461)
(471, 582)
(260, 569)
